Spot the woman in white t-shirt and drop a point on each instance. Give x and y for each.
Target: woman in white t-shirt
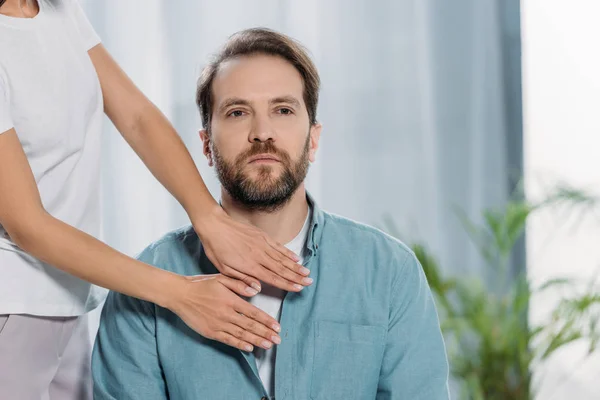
(56, 81)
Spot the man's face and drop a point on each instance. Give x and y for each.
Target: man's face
(261, 141)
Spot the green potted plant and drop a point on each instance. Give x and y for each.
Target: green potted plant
(492, 348)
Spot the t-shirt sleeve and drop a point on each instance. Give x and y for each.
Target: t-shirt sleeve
(5, 119)
(88, 35)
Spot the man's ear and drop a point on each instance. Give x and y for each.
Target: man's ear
(315, 136)
(206, 146)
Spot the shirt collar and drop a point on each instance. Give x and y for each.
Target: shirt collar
(316, 225)
(315, 229)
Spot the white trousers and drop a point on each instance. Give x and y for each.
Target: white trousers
(45, 358)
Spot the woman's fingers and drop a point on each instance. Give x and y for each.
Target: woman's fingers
(261, 332)
(240, 283)
(259, 316)
(210, 306)
(246, 253)
(281, 249)
(248, 323)
(258, 322)
(288, 269)
(245, 336)
(266, 275)
(232, 341)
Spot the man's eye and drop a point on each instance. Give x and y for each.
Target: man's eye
(236, 113)
(285, 111)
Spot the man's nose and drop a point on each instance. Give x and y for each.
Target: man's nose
(262, 130)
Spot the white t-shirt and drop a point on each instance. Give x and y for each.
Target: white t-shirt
(50, 94)
(270, 300)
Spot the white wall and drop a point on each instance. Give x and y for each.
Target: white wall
(561, 82)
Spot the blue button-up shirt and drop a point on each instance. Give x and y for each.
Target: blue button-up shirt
(366, 328)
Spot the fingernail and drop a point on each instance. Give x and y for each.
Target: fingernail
(296, 258)
(251, 291)
(298, 287)
(248, 348)
(256, 286)
(307, 281)
(304, 271)
(276, 328)
(276, 339)
(266, 344)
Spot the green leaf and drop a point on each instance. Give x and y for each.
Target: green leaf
(554, 282)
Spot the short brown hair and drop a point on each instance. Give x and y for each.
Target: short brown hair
(260, 41)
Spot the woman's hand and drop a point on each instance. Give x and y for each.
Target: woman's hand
(246, 253)
(209, 305)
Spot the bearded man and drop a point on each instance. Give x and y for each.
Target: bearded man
(366, 328)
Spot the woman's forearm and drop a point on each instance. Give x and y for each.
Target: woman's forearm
(208, 304)
(151, 136)
(161, 149)
(87, 258)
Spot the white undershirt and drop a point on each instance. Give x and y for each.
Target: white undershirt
(270, 300)
(51, 96)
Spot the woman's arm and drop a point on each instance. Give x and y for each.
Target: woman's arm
(238, 250)
(208, 306)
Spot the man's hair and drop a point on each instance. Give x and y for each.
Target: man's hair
(260, 41)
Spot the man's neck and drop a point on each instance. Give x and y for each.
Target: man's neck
(282, 225)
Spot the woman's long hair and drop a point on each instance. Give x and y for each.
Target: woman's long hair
(2, 2)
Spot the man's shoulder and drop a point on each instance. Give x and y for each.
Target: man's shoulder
(170, 252)
(350, 232)
(172, 238)
(172, 249)
(369, 253)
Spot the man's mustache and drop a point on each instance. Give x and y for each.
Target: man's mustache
(264, 148)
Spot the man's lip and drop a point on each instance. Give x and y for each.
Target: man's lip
(261, 157)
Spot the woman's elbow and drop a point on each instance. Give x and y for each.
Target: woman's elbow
(26, 231)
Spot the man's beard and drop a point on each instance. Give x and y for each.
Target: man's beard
(264, 193)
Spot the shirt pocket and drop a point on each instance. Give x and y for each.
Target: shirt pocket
(347, 360)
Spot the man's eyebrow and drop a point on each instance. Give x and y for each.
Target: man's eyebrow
(286, 99)
(236, 101)
(233, 101)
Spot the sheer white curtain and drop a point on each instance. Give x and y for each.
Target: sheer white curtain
(414, 107)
